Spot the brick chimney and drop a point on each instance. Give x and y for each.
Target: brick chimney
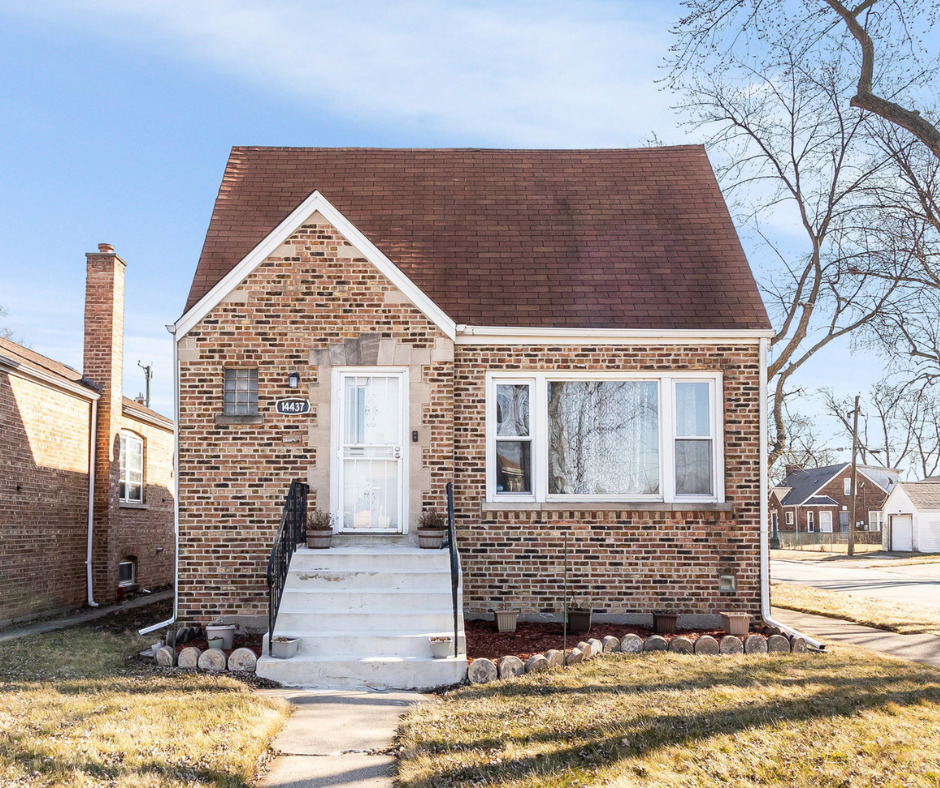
(104, 365)
(791, 469)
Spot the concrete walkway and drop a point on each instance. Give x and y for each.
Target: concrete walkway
(917, 648)
(337, 738)
(81, 618)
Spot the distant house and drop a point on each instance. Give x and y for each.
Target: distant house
(912, 514)
(819, 500)
(86, 502)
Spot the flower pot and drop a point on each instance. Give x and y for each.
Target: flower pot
(224, 631)
(579, 621)
(442, 647)
(284, 648)
(506, 620)
(736, 623)
(431, 538)
(665, 623)
(319, 540)
(216, 642)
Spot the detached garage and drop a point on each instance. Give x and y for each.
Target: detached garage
(912, 517)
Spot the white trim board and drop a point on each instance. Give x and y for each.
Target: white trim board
(49, 379)
(315, 203)
(512, 335)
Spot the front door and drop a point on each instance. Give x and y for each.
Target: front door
(368, 469)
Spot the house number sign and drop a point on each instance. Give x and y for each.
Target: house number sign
(292, 406)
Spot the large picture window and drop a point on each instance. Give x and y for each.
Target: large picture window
(132, 468)
(554, 436)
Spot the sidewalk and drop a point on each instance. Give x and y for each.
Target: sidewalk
(337, 737)
(916, 648)
(81, 618)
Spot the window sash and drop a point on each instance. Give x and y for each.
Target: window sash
(131, 462)
(667, 435)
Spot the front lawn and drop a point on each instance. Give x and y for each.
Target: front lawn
(74, 711)
(846, 718)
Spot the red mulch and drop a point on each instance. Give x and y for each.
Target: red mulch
(533, 637)
(238, 641)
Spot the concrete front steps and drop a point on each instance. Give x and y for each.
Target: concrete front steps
(363, 614)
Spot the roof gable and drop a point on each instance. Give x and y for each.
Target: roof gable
(635, 239)
(804, 484)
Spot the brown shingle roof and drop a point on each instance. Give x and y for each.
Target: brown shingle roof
(924, 495)
(550, 238)
(36, 361)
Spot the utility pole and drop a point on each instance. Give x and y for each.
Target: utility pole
(851, 550)
(148, 374)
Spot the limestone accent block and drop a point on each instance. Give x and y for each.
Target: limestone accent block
(681, 645)
(237, 296)
(610, 644)
(631, 644)
(778, 644)
(166, 657)
(396, 296)
(242, 659)
(706, 644)
(798, 645)
(586, 649)
(349, 252)
(189, 657)
(442, 351)
(386, 352)
(656, 643)
(597, 648)
(187, 350)
(574, 657)
(730, 644)
(482, 671)
(755, 644)
(555, 658)
(402, 355)
(536, 664)
(509, 667)
(212, 660)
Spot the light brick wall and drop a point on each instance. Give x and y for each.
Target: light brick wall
(43, 497)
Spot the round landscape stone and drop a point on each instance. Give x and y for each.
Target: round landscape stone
(730, 644)
(681, 645)
(189, 657)
(536, 664)
(212, 660)
(166, 656)
(481, 671)
(755, 644)
(597, 648)
(510, 666)
(798, 645)
(586, 649)
(631, 644)
(656, 643)
(706, 644)
(778, 644)
(555, 658)
(610, 644)
(574, 657)
(242, 659)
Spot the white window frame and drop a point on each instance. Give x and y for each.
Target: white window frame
(538, 427)
(789, 518)
(133, 580)
(847, 485)
(810, 522)
(127, 436)
(875, 520)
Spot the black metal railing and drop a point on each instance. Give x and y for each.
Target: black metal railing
(291, 532)
(451, 544)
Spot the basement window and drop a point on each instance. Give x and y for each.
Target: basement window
(240, 392)
(127, 573)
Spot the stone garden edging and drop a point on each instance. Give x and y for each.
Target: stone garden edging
(210, 660)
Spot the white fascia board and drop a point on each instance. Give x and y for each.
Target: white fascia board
(157, 421)
(506, 335)
(316, 202)
(29, 373)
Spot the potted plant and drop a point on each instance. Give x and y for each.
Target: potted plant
(736, 623)
(441, 646)
(219, 629)
(284, 648)
(579, 616)
(431, 529)
(506, 620)
(319, 529)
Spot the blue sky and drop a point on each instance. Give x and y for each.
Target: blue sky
(117, 119)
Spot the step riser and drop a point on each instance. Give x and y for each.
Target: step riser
(363, 646)
(332, 560)
(322, 624)
(357, 601)
(376, 580)
(416, 675)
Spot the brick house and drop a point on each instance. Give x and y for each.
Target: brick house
(68, 439)
(573, 338)
(819, 500)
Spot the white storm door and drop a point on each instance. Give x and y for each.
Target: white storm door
(369, 469)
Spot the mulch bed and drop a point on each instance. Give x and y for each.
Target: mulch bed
(533, 637)
(238, 641)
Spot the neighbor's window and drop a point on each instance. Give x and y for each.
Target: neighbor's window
(874, 521)
(789, 517)
(555, 437)
(810, 521)
(847, 486)
(126, 573)
(132, 468)
(241, 392)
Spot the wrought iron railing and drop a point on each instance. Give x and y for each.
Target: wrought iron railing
(451, 545)
(291, 532)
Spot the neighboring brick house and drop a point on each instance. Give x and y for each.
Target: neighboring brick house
(574, 338)
(54, 423)
(819, 500)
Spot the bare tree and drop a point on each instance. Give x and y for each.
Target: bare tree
(5, 333)
(804, 446)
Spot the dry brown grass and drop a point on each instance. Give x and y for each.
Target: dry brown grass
(74, 711)
(844, 719)
(859, 559)
(880, 613)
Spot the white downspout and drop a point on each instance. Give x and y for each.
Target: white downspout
(764, 509)
(176, 490)
(92, 440)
